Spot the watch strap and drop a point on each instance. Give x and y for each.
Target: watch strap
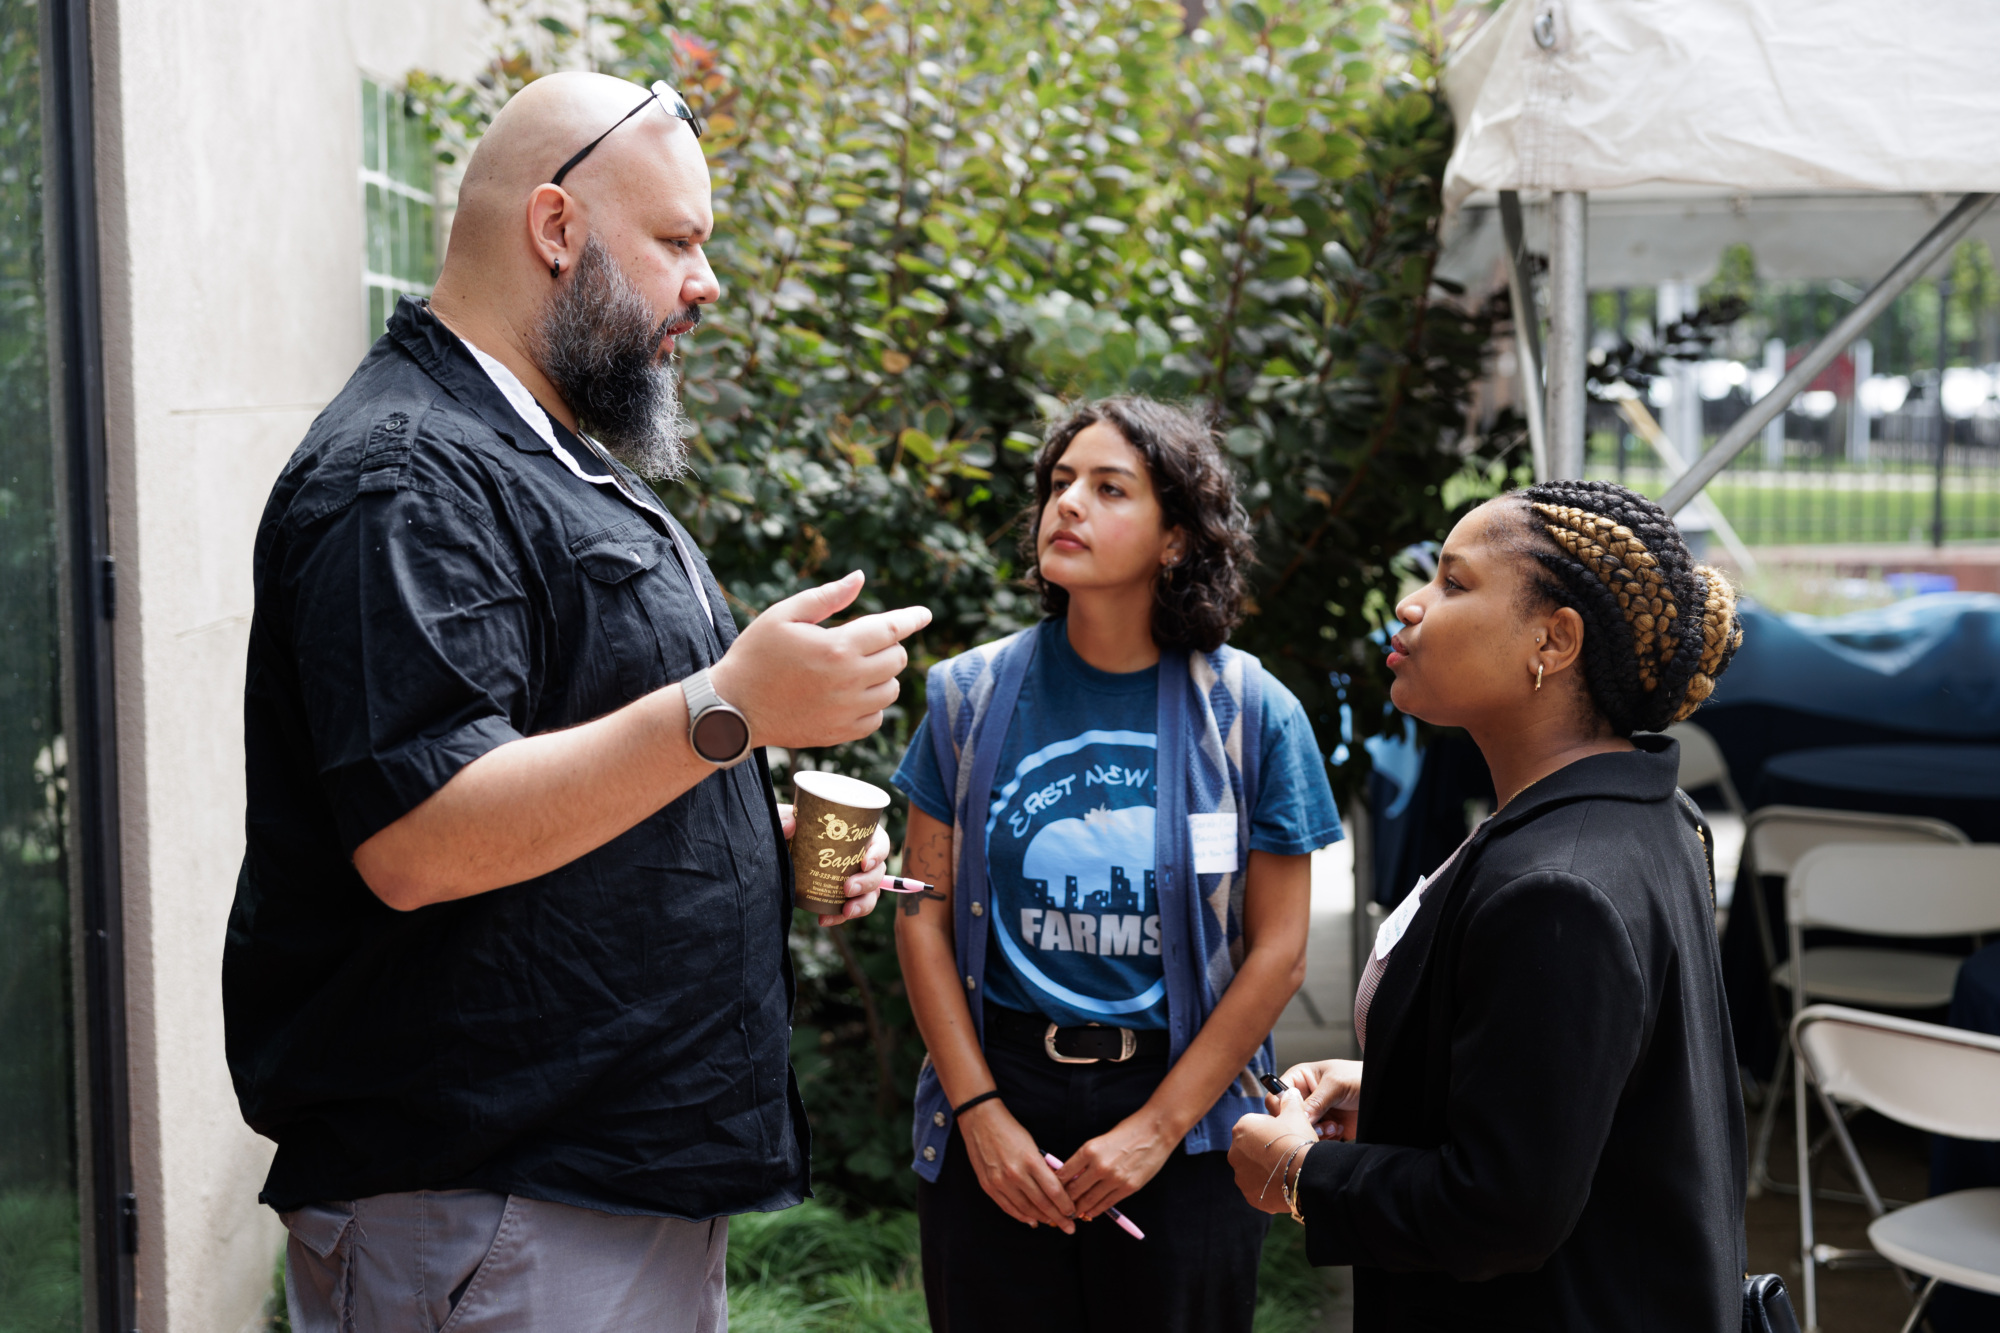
(700, 693)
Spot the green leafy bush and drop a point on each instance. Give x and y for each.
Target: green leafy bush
(936, 219)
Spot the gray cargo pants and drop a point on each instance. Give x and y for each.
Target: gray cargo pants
(470, 1261)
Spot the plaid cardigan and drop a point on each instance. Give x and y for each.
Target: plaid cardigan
(1210, 722)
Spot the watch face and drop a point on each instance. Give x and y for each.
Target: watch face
(720, 734)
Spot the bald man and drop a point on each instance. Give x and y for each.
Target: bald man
(506, 977)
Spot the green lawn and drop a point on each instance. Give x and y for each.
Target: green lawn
(1774, 516)
(1839, 503)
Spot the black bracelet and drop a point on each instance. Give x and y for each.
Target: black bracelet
(961, 1109)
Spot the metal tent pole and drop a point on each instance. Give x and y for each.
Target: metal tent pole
(1911, 267)
(1527, 330)
(1569, 332)
(1943, 422)
(1857, 411)
(1774, 429)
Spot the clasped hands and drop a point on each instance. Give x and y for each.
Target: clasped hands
(1323, 1103)
(1096, 1176)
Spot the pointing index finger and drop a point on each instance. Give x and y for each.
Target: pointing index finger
(871, 634)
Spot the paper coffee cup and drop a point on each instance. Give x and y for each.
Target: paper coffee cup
(837, 818)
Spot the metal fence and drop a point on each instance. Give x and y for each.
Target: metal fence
(1825, 482)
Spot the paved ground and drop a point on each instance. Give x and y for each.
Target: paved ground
(1340, 1305)
(1319, 1022)
(1975, 566)
(1856, 1300)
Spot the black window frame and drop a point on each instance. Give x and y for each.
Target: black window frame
(109, 1206)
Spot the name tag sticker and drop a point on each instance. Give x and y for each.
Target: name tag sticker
(1392, 930)
(1214, 843)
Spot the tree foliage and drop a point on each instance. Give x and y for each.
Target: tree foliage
(936, 220)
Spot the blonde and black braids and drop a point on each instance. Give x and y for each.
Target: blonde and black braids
(1658, 628)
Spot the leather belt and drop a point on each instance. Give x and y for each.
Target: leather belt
(1088, 1045)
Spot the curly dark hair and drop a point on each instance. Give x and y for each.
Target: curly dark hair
(1198, 601)
(1657, 628)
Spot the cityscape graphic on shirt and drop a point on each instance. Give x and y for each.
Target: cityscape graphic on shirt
(1119, 897)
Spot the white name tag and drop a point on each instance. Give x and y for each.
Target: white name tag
(1399, 920)
(1214, 843)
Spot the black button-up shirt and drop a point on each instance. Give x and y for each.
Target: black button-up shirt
(432, 582)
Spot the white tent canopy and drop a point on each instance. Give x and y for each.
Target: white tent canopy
(1831, 136)
(1730, 96)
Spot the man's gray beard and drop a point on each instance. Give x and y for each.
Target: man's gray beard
(598, 342)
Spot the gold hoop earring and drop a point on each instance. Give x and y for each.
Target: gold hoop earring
(1538, 678)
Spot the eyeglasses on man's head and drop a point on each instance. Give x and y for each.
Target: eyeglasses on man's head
(670, 101)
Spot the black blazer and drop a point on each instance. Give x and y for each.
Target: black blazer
(1551, 1132)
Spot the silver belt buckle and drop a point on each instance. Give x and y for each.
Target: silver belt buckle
(1128, 1044)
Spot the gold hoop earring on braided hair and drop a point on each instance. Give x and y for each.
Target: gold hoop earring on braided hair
(1538, 678)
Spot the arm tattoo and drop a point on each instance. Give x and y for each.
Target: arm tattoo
(913, 903)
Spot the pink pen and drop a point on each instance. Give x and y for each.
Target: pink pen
(1055, 1164)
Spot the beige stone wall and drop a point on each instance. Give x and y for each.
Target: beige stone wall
(231, 235)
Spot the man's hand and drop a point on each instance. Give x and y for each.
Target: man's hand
(1259, 1146)
(1117, 1163)
(864, 886)
(802, 685)
(524, 808)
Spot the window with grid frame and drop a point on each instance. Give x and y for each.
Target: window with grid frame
(399, 201)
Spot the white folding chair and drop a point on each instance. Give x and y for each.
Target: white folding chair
(1906, 892)
(1940, 1079)
(1702, 765)
(1775, 838)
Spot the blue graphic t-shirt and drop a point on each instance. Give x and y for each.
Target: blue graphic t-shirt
(1070, 846)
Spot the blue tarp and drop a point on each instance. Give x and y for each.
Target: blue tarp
(1926, 664)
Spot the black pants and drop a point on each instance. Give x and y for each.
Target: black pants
(1196, 1271)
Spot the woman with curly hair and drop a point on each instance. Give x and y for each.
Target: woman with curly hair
(1117, 811)
(1545, 1130)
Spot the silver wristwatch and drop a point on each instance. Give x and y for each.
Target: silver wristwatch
(719, 733)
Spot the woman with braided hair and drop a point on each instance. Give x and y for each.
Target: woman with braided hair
(1546, 1130)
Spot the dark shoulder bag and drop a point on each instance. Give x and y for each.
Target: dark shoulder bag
(1766, 1307)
